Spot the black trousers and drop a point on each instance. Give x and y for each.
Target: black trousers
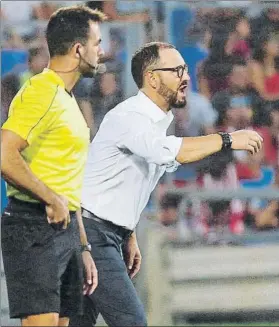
(115, 297)
(43, 266)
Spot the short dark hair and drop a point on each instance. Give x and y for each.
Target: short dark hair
(145, 57)
(262, 39)
(169, 200)
(34, 52)
(69, 25)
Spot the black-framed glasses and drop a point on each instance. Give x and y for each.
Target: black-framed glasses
(179, 70)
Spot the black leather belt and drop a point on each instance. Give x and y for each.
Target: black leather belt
(31, 205)
(123, 232)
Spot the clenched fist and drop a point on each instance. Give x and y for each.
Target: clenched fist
(58, 212)
(246, 140)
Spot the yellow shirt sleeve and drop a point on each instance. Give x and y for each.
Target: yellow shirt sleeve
(29, 113)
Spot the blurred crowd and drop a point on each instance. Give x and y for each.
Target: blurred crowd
(234, 66)
(233, 61)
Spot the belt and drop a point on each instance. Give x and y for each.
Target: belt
(123, 232)
(30, 205)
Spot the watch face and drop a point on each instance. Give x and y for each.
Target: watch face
(86, 247)
(227, 140)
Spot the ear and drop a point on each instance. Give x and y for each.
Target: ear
(76, 50)
(152, 79)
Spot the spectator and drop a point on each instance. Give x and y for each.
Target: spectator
(235, 109)
(198, 118)
(242, 29)
(169, 209)
(259, 172)
(267, 21)
(12, 82)
(97, 98)
(267, 218)
(223, 19)
(43, 10)
(220, 215)
(176, 226)
(274, 133)
(234, 105)
(262, 214)
(136, 12)
(194, 52)
(237, 114)
(263, 69)
(17, 11)
(111, 10)
(214, 72)
(9, 88)
(233, 20)
(106, 96)
(116, 56)
(270, 133)
(11, 39)
(37, 61)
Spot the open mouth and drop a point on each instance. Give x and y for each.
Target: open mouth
(183, 89)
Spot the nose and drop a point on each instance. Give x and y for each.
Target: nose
(187, 76)
(101, 52)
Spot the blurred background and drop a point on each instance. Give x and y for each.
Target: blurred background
(210, 233)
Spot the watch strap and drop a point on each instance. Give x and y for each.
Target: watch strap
(227, 140)
(86, 247)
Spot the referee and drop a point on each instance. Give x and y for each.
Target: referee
(43, 149)
(126, 159)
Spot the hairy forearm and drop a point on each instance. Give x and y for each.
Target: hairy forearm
(16, 172)
(82, 232)
(197, 148)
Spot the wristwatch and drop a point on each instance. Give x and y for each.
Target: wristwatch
(227, 140)
(86, 247)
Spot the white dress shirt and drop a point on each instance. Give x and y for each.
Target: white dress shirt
(126, 159)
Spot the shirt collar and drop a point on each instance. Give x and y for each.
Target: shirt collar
(54, 77)
(151, 110)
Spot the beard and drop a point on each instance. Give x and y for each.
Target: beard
(99, 70)
(88, 74)
(87, 71)
(171, 97)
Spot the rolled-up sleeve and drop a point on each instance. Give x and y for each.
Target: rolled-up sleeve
(138, 134)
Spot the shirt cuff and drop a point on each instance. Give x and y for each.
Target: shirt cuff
(175, 144)
(172, 167)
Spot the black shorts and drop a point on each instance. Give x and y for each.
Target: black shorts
(43, 265)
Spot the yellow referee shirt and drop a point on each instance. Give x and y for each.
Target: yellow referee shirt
(45, 115)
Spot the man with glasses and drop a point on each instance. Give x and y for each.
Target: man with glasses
(127, 157)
